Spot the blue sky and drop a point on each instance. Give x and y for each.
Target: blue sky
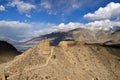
(24, 19)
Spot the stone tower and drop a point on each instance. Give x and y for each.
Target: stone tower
(45, 46)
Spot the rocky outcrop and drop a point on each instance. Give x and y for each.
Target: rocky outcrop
(70, 60)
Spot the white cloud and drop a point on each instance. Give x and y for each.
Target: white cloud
(49, 27)
(13, 24)
(70, 26)
(112, 10)
(13, 29)
(22, 31)
(103, 25)
(22, 6)
(2, 8)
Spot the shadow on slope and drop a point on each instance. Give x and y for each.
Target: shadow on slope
(7, 52)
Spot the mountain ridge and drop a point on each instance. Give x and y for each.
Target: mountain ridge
(79, 34)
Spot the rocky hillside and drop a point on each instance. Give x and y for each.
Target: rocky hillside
(70, 60)
(7, 52)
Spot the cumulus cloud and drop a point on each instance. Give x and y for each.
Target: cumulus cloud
(14, 29)
(2, 8)
(22, 6)
(103, 25)
(112, 10)
(22, 31)
(69, 26)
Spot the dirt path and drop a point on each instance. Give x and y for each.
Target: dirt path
(47, 62)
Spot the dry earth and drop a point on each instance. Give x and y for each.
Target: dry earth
(70, 60)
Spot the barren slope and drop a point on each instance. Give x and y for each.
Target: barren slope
(69, 60)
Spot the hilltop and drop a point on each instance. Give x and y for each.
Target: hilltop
(69, 60)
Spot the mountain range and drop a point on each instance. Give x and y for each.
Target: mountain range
(79, 34)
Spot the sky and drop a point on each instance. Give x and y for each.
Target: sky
(21, 20)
